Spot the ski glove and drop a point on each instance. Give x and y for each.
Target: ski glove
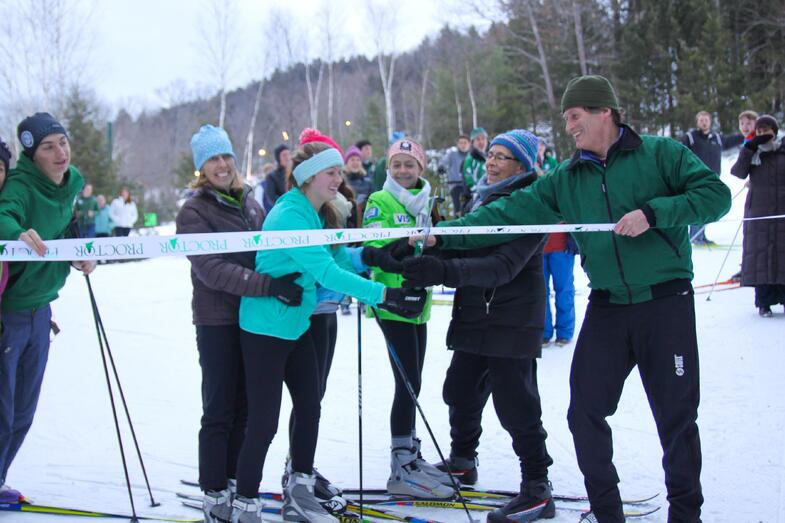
(399, 249)
(285, 290)
(375, 257)
(424, 271)
(756, 142)
(408, 303)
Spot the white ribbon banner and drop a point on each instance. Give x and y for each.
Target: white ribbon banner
(136, 247)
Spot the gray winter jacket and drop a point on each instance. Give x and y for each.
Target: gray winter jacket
(220, 279)
(453, 162)
(763, 257)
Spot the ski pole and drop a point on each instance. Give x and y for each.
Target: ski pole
(360, 397)
(410, 390)
(727, 253)
(134, 517)
(692, 239)
(100, 324)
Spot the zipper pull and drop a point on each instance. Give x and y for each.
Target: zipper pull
(604, 190)
(487, 308)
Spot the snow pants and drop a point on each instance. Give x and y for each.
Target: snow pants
(272, 362)
(768, 295)
(470, 380)
(659, 337)
(224, 407)
(23, 356)
(408, 340)
(558, 266)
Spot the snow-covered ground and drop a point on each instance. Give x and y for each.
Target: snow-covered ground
(71, 458)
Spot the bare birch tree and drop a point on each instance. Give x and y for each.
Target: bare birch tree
(472, 101)
(385, 24)
(220, 42)
(576, 16)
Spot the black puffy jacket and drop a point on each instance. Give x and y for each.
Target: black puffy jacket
(499, 307)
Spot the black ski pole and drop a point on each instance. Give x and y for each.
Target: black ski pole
(410, 390)
(727, 253)
(360, 397)
(134, 518)
(153, 503)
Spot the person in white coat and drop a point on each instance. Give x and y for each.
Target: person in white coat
(123, 213)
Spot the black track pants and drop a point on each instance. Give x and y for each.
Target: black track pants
(224, 408)
(659, 336)
(269, 363)
(409, 341)
(470, 379)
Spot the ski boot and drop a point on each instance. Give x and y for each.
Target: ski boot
(534, 502)
(247, 510)
(588, 517)
(10, 495)
(299, 502)
(463, 469)
(435, 472)
(407, 479)
(217, 506)
(328, 495)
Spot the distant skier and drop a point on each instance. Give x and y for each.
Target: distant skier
(36, 205)
(496, 335)
(641, 308)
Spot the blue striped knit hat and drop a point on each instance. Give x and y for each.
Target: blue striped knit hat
(208, 142)
(522, 144)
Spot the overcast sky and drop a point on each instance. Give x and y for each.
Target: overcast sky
(143, 47)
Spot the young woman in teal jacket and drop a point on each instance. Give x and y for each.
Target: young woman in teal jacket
(276, 343)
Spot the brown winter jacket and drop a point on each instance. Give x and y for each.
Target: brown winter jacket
(220, 279)
(763, 258)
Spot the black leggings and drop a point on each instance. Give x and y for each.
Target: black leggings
(269, 362)
(224, 408)
(408, 340)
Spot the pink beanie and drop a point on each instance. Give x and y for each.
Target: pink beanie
(310, 135)
(408, 147)
(352, 151)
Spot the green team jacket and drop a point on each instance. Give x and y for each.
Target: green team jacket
(473, 170)
(383, 211)
(30, 200)
(331, 268)
(658, 175)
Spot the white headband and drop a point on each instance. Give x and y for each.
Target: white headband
(317, 163)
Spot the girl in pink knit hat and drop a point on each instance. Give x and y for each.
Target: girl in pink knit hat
(404, 201)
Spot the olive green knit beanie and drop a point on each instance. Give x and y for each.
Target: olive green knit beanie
(589, 91)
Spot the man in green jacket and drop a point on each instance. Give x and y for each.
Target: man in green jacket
(36, 205)
(641, 308)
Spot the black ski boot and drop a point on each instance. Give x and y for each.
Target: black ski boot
(463, 469)
(534, 502)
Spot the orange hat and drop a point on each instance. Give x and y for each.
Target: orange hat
(408, 147)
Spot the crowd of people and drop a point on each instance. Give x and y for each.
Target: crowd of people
(268, 318)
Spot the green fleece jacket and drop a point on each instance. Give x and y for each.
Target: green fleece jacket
(329, 267)
(384, 211)
(30, 200)
(655, 174)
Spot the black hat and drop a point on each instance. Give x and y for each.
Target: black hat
(34, 129)
(362, 143)
(277, 152)
(5, 156)
(766, 120)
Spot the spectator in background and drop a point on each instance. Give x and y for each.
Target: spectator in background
(123, 213)
(546, 161)
(474, 164)
(84, 210)
(747, 124)
(708, 146)
(261, 182)
(763, 257)
(275, 182)
(103, 223)
(357, 177)
(366, 155)
(452, 164)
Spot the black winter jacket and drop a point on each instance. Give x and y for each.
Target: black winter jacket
(274, 187)
(763, 255)
(709, 147)
(220, 279)
(499, 307)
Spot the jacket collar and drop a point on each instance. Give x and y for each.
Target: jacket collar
(628, 140)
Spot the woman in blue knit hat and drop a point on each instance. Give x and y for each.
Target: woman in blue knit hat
(276, 341)
(221, 202)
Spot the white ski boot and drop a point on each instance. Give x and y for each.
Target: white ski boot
(407, 479)
(247, 510)
(217, 506)
(439, 475)
(299, 502)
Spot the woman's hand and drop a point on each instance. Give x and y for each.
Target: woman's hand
(34, 241)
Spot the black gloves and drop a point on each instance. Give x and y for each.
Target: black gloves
(285, 290)
(759, 140)
(423, 271)
(441, 169)
(399, 249)
(375, 257)
(408, 303)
